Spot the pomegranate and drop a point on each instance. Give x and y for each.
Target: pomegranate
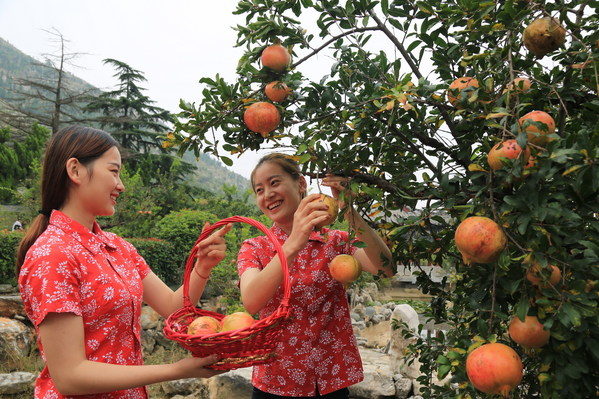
(345, 268)
(506, 149)
(455, 88)
(537, 125)
(494, 369)
(276, 57)
(520, 85)
(333, 210)
(543, 36)
(479, 240)
(262, 117)
(236, 321)
(203, 325)
(277, 91)
(529, 333)
(539, 279)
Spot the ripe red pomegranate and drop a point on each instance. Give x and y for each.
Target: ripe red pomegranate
(543, 36)
(479, 240)
(455, 88)
(277, 91)
(537, 134)
(506, 149)
(529, 333)
(494, 369)
(276, 57)
(262, 117)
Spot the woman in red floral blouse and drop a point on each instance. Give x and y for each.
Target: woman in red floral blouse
(83, 288)
(318, 354)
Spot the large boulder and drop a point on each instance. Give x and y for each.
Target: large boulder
(403, 316)
(16, 340)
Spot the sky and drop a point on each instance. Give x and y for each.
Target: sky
(174, 43)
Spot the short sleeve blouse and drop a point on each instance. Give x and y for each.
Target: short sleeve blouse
(318, 347)
(93, 274)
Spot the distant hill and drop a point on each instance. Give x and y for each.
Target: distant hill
(211, 174)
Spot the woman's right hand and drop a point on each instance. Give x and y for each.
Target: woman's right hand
(308, 214)
(195, 367)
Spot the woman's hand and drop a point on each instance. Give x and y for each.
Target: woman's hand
(339, 186)
(308, 214)
(195, 367)
(211, 250)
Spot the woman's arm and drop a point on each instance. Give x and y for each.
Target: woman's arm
(259, 286)
(376, 257)
(63, 341)
(210, 252)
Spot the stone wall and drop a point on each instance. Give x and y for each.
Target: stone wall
(386, 374)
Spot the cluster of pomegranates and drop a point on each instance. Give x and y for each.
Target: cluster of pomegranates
(263, 117)
(496, 368)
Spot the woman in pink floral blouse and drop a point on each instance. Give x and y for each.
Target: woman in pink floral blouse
(318, 354)
(83, 288)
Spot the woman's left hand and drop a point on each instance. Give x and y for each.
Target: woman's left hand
(211, 250)
(338, 185)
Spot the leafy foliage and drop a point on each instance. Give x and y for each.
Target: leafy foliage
(379, 116)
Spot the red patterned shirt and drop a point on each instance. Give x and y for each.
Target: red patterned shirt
(93, 274)
(318, 347)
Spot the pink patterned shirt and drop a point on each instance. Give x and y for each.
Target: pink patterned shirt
(318, 347)
(93, 274)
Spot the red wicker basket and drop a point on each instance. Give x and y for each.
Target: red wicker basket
(239, 348)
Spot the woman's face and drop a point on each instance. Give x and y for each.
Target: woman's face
(103, 184)
(278, 195)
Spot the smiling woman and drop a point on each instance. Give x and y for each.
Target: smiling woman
(77, 281)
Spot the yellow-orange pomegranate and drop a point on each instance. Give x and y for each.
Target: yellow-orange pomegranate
(539, 278)
(520, 85)
(345, 268)
(276, 57)
(262, 117)
(333, 210)
(543, 36)
(455, 88)
(537, 125)
(494, 369)
(479, 240)
(236, 321)
(529, 333)
(506, 149)
(203, 325)
(277, 91)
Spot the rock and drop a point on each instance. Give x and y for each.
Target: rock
(406, 314)
(186, 386)
(11, 306)
(8, 289)
(403, 386)
(378, 379)
(232, 384)
(150, 319)
(16, 340)
(16, 383)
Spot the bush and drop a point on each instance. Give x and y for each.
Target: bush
(161, 255)
(9, 241)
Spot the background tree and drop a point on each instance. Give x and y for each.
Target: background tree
(51, 98)
(140, 127)
(379, 116)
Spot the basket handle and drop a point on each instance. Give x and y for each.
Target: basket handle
(192, 256)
